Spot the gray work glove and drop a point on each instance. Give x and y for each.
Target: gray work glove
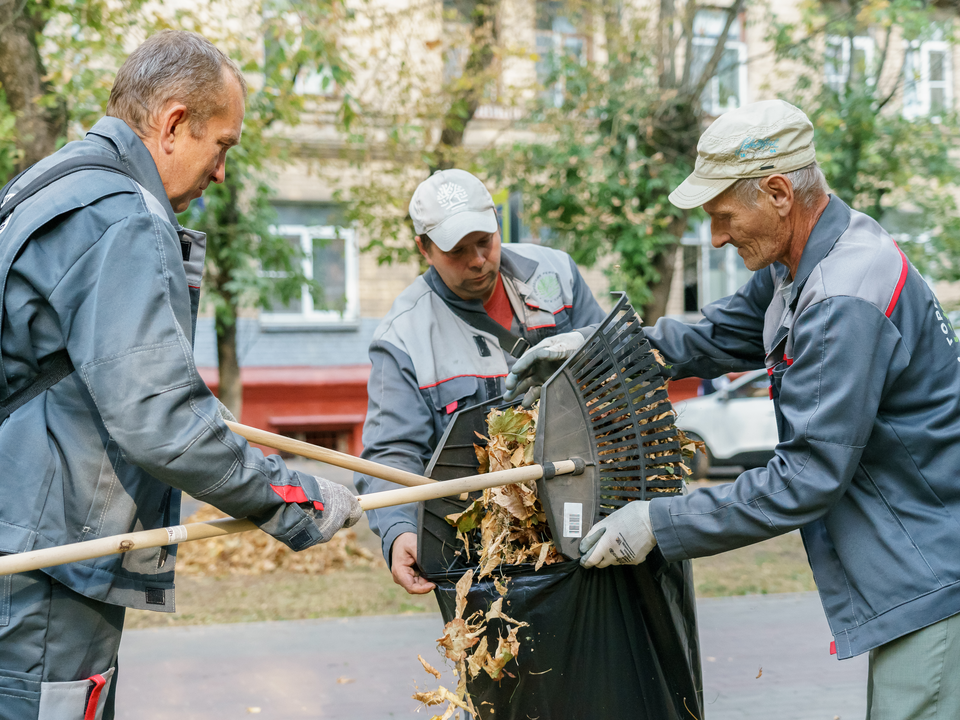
(224, 412)
(341, 509)
(624, 537)
(537, 364)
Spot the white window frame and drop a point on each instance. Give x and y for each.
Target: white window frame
(308, 315)
(713, 85)
(860, 42)
(556, 40)
(921, 107)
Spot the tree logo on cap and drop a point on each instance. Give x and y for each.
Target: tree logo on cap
(451, 195)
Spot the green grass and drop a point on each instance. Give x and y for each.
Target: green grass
(774, 566)
(284, 596)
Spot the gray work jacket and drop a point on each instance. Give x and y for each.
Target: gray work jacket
(110, 276)
(866, 380)
(428, 363)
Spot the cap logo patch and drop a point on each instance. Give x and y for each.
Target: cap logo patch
(451, 195)
(755, 147)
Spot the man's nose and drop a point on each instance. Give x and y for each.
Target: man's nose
(220, 172)
(478, 258)
(718, 238)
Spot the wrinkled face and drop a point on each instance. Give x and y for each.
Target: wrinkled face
(471, 268)
(197, 162)
(759, 233)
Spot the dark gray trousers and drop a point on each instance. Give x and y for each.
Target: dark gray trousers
(58, 651)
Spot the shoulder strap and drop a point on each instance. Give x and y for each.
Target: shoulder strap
(54, 369)
(9, 203)
(58, 365)
(513, 344)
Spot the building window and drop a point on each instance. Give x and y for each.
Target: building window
(727, 89)
(558, 38)
(720, 271)
(330, 258)
(927, 82)
(844, 59)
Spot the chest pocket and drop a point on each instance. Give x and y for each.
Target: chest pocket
(453, 394)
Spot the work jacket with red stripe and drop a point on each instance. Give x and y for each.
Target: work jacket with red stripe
(428, 362)
(96, 264)
(865, 375)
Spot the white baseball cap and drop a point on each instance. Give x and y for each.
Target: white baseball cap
(451, 204)
(757, 140)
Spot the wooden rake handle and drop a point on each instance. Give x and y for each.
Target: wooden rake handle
(75, 552)
(341, 460)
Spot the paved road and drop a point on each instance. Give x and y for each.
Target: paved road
(366, 668)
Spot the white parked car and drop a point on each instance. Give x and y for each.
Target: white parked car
(736, 423)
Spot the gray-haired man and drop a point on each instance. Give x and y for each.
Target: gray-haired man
(99, 276)
(866, 381)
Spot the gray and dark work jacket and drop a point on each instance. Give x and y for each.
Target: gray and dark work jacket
(428, 363)
(865, 375)
(97, 264)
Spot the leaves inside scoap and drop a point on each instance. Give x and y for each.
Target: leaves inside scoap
(510, 527)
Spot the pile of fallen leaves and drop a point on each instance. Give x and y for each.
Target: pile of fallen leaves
(256, 553)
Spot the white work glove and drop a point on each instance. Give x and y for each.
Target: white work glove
(537, 364)
(341, 509)
(624, 537)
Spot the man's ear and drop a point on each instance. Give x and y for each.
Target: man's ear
(172, 125)
(780, 192)
(426, 255)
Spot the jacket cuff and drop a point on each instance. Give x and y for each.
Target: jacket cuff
(391, 534)
(668, 539)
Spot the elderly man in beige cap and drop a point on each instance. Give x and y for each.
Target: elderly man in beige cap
(865, 378)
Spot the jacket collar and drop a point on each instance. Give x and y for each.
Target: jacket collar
(831, 225)
(115, 135)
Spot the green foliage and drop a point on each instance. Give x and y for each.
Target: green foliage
(879, 162)
(599, 179)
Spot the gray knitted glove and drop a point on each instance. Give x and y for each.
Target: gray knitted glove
(341, 509)
(224, 412)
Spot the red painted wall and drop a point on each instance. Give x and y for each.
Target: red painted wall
(302, 398)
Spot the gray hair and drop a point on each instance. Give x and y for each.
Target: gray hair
(172, 65)
(809, 185)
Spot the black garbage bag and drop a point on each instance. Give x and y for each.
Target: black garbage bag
(618, 642)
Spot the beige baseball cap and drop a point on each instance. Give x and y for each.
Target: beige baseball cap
(757, 140)
(451, 204)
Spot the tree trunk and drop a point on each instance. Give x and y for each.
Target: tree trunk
(231, 388)
(464, 105)
(21, 74)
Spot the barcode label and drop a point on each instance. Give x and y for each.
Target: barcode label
(573, 520)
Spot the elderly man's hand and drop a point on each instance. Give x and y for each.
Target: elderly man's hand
(404, 565)
(341, 509)
(539, 363)
(624, 537)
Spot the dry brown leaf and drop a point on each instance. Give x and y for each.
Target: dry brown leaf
(428, 667)
(457, 638)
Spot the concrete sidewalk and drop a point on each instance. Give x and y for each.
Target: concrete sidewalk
(366, 668)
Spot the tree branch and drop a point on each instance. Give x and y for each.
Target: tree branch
(711, 68)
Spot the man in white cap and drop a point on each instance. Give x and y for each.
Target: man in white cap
(452, 336)
(866, 381)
